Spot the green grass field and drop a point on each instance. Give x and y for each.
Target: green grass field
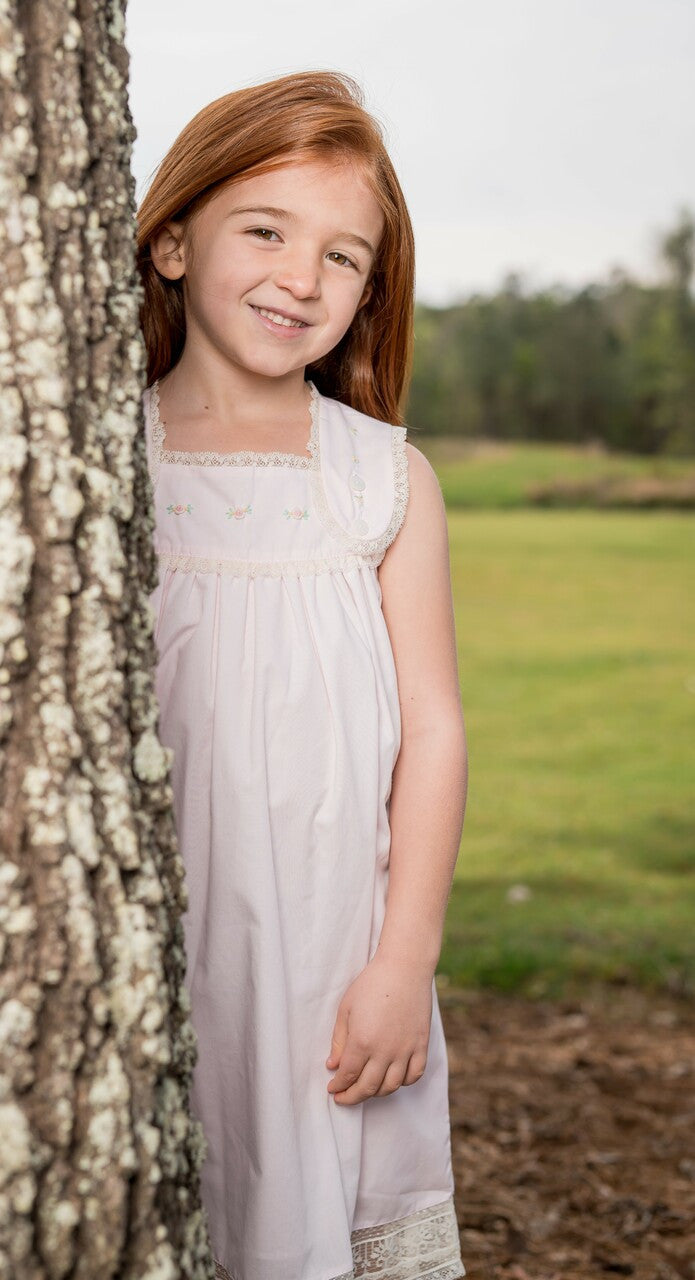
(500, 474)
(576, 634)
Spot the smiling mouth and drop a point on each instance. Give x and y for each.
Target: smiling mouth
(281, 321)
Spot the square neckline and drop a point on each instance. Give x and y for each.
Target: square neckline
(238, 457)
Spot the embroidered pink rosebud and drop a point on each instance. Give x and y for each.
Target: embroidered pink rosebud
(296, 513)
(238, 513)
(179, 509)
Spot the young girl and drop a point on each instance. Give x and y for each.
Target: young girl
(307, 683)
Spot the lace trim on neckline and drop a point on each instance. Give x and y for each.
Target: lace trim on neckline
(422, 1246)
(215, 458)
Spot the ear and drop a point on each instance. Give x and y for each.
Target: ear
(368, 289)
(167, 252)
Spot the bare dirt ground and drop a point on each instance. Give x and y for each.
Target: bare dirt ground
(573, 1133)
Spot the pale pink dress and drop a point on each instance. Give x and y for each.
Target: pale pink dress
(277, 689)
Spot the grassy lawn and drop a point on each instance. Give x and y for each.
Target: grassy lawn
(576, 633)
(487, 474)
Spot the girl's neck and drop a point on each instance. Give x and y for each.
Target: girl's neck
(234, 396)
(232, 410)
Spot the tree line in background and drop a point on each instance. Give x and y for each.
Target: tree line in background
(612, 362)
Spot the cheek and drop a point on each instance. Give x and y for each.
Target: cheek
(219, 284)
(224, 268)
(345, 297)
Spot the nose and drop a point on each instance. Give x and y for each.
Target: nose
(300, 276)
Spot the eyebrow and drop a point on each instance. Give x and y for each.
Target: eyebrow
(272, 212)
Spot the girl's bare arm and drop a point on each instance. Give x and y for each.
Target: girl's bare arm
(430, 780)
(382, 1027)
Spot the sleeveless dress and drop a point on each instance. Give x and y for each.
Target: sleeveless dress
(277, 692)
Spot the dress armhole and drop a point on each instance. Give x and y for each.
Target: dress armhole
(401, 482)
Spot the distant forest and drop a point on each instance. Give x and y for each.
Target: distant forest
(613, 362)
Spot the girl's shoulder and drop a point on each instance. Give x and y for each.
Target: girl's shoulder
(358, 425)
(363, 465)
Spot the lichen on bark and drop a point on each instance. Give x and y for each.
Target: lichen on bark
(99, 1155)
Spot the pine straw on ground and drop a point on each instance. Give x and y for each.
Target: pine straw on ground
(573, 1134)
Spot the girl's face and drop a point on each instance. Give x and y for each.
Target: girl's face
(300, 241)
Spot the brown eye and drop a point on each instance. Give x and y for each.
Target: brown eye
(337, 254)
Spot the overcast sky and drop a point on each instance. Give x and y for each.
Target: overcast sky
(551, 137)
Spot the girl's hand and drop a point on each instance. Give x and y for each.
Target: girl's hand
(382, 1031)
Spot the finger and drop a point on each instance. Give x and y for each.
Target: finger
(393, 1079)
(349, 1071)
(416, 1068)
(338, 1038)
(367, 1084)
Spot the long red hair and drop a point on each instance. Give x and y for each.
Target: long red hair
(307, 114)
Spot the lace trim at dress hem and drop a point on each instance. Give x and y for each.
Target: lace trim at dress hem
(381, 543)
(422, 1246)
(186, 562)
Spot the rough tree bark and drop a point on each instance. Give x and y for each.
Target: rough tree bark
(99, 1156)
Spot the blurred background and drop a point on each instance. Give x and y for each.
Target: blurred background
(546, 154)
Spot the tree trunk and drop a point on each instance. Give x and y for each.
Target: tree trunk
(99, 1156)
